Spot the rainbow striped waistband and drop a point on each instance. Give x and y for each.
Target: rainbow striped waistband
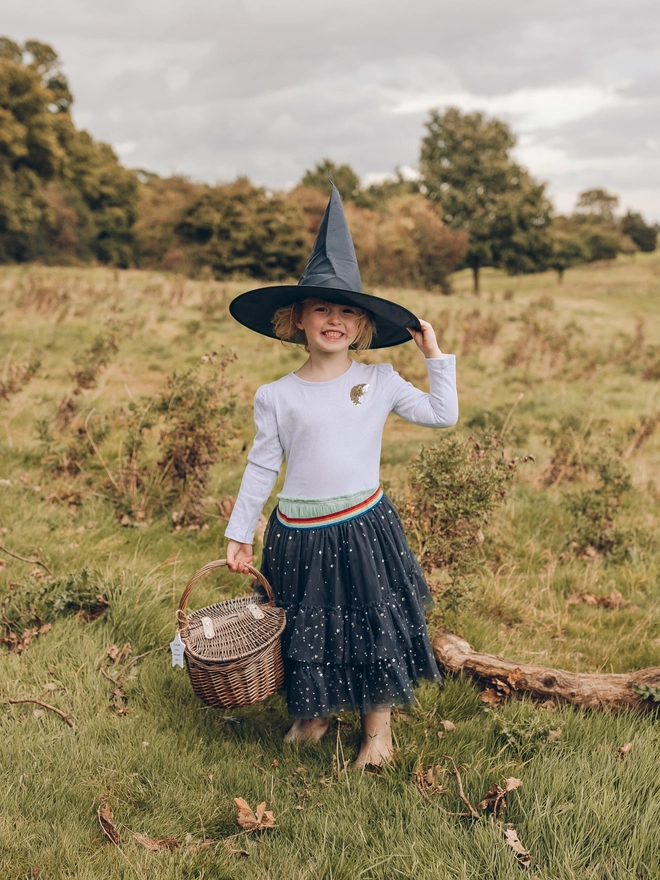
(331, 518)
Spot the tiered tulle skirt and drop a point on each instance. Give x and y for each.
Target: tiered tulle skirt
(354, 596)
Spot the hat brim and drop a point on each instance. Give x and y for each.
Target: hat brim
(256, 309)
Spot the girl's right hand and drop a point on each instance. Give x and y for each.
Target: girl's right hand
(238, 556)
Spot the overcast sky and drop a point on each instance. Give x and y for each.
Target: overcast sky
(217, 88)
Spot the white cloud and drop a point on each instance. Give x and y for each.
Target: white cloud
(125, 148)
(528, 108)
(268, 87)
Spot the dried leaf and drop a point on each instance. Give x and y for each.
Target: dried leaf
(90, 614)
(38, 713)
(302, 797)
(511, 783)
(510, 834)
(448, 726)
(623, 751)
(515, 677)
(118, 655)
(491, 697)
(265, 817)
(226, 506)
(428, 781)
(495, 798)
(614, 600)
(197, 847)
(107, 823)
(19, 643)
(235, 852)
(157, 844)
(554, 735)
(247, 819)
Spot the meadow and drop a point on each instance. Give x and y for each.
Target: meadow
(125, 400)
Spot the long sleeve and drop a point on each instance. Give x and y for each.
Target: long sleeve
(263, 467)
(438, 408)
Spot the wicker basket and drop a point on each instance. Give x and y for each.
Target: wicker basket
(236, 659)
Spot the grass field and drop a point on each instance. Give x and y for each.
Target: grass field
(568, 373)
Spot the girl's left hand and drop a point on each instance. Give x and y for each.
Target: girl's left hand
(425, 340)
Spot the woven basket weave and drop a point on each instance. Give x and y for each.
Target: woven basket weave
(241, 663)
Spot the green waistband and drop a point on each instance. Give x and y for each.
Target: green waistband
(304, 508)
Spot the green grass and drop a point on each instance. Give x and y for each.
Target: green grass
(169, 766)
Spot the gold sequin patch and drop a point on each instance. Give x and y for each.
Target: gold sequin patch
(358, 392)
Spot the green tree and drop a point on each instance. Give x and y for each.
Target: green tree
(602, 243)
(377, 196)
(644, 236)
(407, 244)
(568, 249)
(346, 180)
(597, 204)
(163, 202)
(467, 169)
(109, 193)
(62, 195)
(242, 229)
(30, 152)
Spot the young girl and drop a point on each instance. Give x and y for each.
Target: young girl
(334, 549)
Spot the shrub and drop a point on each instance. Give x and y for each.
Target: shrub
(30, 606)
(588, 457)
(198, 413)
(594, 509)
(16, 374)
(89, 363)
(454, 487)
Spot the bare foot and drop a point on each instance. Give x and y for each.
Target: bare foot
(307, 730)
(376, 745)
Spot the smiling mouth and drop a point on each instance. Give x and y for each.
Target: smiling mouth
(332, 334)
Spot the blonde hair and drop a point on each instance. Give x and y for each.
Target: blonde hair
(285, 327)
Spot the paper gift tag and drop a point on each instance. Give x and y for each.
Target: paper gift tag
(178, 649)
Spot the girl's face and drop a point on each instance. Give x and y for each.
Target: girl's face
(329, 327)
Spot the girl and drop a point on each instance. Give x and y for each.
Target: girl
(334, 548)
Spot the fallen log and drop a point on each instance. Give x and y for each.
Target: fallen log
(589, 690)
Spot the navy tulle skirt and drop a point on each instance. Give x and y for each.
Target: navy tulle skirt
(354, 596)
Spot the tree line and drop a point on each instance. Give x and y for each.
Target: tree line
(66, 198)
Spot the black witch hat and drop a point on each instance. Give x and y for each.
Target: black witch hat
(331, 274)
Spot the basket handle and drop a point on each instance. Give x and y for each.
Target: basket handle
(218, 563)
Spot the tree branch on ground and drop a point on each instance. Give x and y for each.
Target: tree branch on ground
(3, 549)
(63, 715)
(588, 690)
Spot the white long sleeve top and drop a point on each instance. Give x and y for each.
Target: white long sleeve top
(331, 433)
